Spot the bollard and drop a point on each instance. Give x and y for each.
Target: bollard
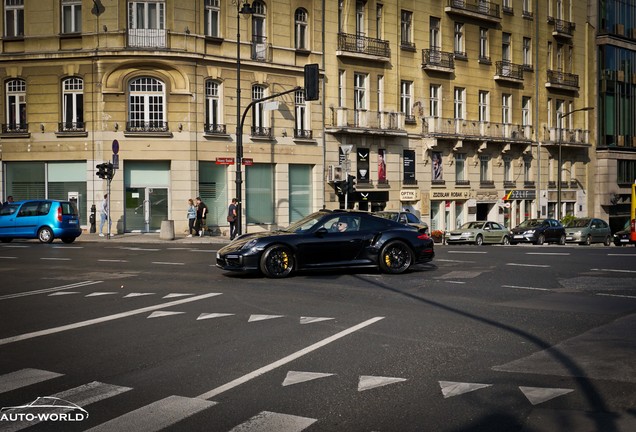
(167, 230)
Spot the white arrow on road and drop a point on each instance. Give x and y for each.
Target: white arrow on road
(294, 377)
(451, 388)
(213, 315)
(369, 382)
(537, 395)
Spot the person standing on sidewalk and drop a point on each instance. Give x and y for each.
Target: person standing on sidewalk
(231, 217)
(103, 214)
(202, 213)
(192, 217)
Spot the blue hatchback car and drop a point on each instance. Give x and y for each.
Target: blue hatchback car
(44, 220)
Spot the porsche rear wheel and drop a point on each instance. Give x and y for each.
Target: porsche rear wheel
(396, 257)
(277, 261)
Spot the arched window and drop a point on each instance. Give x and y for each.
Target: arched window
(72, 104)
(213, 108)
(16, 106)
(146, 106)
(301, 29)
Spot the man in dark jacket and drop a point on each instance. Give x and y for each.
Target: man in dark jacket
(202, 213)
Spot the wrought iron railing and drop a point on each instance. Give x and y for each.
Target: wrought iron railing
(563, 78)
(260, 49)
(147, 38)
(144, 126)
(9, 128)
(432, 57)
(478, 6)
(71, 126)
(303, 134)
(563, 27)
(263, 132)
(363, 45)
(214, 128)
(506, 69)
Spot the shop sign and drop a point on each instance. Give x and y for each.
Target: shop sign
(225, 161)
(410, 195)
(520, 194)
(450, 194)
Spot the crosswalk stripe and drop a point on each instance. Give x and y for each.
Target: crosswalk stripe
(81, 396)
(156, 416)
(24, 377)
(268, 421)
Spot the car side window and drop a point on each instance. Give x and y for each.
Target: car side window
(412, 218)
(29, 209)
(43, 208)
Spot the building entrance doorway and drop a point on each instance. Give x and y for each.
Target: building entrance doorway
(146, 207)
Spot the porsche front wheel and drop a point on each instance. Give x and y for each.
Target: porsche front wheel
(396, 257)
(277, 261)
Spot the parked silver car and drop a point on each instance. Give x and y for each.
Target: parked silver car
(586, 231)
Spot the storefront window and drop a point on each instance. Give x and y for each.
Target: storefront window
(259, 194)
(300, 196)
(213, 192)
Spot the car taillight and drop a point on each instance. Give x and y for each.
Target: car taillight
(423, 236)
(59, 214)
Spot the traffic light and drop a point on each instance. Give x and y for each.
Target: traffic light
(101, 173)
(351, 184)
(110, 171)
(312, 82)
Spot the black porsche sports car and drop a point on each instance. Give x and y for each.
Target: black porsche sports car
(329, 239)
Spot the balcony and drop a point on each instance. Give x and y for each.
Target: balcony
(260, 49)
(562, 80)
(147, 38)
(146, 127)
(479, 9)
(357, 46)
(262, 132)
(509, 72)
(569, 137)
(407, 45)
(214, 129)
(440, 61)
(345, 120)
(303, 134)
(476, 130)
(563, 29)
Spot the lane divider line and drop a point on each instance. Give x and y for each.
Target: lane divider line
(48, 290)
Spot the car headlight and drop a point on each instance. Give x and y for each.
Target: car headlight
(467, 234)
(578, 233)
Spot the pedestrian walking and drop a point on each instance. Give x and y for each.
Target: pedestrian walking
(192, 217)
(104, 216)
(202, 213)
(232, 217)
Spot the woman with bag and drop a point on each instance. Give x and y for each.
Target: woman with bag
(192, 217)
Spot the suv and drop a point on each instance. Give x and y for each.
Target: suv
(44, 220)
(538, 231)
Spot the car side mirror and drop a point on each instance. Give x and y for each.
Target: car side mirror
(321, 232)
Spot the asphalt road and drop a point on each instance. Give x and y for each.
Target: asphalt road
(149, 337)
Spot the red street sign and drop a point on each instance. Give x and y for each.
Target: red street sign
(225, 161)
(248, 161)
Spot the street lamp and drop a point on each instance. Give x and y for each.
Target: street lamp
(560, 118)
(242, 8)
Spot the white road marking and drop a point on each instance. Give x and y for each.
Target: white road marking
(139, 249)
(61, 293)
(616, 295)
(100, 320)
(287, 359)
(156, 416)
(621, 255)
(67, 247)
(55, 259)
(453, 261)
(254, 318)
(204, 316)
(113, 260)
(138, 295)
(537, 395)
(466, 252)
(16, 246)
(614, 270)
(25, 377)
(8, 257)
(455, 282)
(451, 388)
(527, 265)
(159, 314)
(177, 295)
(526, 288)
(368, 382)
(48, 290)
(294, 377)
(101, 293)
(311, 320)
(548, 253)
(167, 263)
(268, 421)
(203, 251)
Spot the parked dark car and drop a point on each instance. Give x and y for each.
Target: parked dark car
(621, 238)
(329, 239)
(586, 231)
(538, 231)
(403, 217)
(44, 220)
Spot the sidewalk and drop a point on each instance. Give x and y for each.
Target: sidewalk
(151, 238)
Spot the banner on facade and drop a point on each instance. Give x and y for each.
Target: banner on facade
(520, 194)
(450, 194)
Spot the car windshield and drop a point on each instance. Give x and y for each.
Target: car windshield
(472, 225)
(389, 216)
(306, 223)
(578, 223)
(529, 223)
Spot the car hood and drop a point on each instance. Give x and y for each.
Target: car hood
(245, 238)
(518, 230)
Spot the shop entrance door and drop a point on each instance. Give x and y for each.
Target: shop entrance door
(146, 207)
